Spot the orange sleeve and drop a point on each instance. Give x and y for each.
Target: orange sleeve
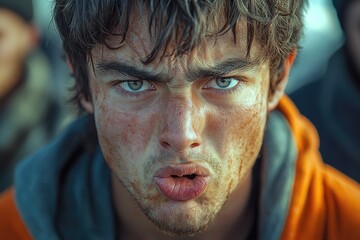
(325, 204)
(11, 224)
(343, 204)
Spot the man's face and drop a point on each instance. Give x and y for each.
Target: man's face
(181, 133)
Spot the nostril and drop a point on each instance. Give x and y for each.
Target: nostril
(194, 145)
(165, 144)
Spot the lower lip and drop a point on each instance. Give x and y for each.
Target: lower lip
(181, 188)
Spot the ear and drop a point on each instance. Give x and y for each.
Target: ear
(70, 64)
(85, 102)
(282, 77)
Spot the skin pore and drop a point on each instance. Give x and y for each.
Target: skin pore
(205, 110)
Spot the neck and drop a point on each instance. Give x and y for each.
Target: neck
(235, 220)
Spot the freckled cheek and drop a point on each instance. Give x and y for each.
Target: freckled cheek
(124, 136)
(236, 128)
(237, 136)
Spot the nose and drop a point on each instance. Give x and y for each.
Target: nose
(182, 125)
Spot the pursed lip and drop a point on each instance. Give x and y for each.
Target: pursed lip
(182, 182)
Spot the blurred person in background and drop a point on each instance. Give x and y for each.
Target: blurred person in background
(332, 102)
(28, 110)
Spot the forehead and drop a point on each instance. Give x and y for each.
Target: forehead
(139, 43)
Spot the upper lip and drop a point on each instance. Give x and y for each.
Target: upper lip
(182, 170)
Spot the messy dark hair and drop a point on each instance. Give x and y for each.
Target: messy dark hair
(275, 24)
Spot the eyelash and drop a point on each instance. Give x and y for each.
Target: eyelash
(238, 87)
(234, 89)
(117, 86)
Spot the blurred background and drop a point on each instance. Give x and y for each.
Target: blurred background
(51, 45)
(34, 82)
(322, 37)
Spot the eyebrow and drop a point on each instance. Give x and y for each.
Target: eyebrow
(127, 70)
(220, 69)
(194, 73)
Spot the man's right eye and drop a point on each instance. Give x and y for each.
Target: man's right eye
(136, 86)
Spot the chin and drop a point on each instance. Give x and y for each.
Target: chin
(182, 221)
(186, 230)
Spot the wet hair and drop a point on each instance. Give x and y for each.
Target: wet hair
(276, 25)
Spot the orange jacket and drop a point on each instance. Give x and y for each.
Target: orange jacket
(324, 203)
(11, 225)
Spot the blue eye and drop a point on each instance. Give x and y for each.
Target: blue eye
(136, 85)
(222, 83)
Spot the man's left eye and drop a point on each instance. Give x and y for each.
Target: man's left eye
(222, 83)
